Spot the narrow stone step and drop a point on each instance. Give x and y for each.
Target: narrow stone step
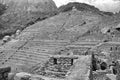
(22, 62)
(30, 59)
(31, 55)
(47, 71)
(26, 60)
(34, 53)
(55, 74)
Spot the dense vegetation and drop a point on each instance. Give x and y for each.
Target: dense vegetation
(79, 6)
(82, 7)
(10, 21)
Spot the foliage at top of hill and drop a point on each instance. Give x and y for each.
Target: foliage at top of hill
(82, 7)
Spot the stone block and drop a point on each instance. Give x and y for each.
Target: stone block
(111, 76)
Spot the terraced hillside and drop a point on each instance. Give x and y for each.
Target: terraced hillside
(54, 48)
(38, 42)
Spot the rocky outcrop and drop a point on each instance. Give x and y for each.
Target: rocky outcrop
(23, 13)
(22, 76)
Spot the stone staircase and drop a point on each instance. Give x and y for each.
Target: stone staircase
(55, 74)
(49, 73)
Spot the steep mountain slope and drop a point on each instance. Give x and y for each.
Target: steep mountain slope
(68, 25)
(105, 30)
(108, 20)
(47, 37)
(31, 5)
(22, 13)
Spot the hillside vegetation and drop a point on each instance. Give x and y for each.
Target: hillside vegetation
(82, 7)
(106, 20)
(21, 14)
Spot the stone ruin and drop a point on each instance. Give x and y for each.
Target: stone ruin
(63, 68)
(57, 66)
(110, 70)
(67, 68)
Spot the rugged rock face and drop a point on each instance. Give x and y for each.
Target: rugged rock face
(31, 5)
(22, 13)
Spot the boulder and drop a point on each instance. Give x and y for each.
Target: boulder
(36, 78)
(111, 76)
(22, 76)
(11, 76)
(6, 38)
